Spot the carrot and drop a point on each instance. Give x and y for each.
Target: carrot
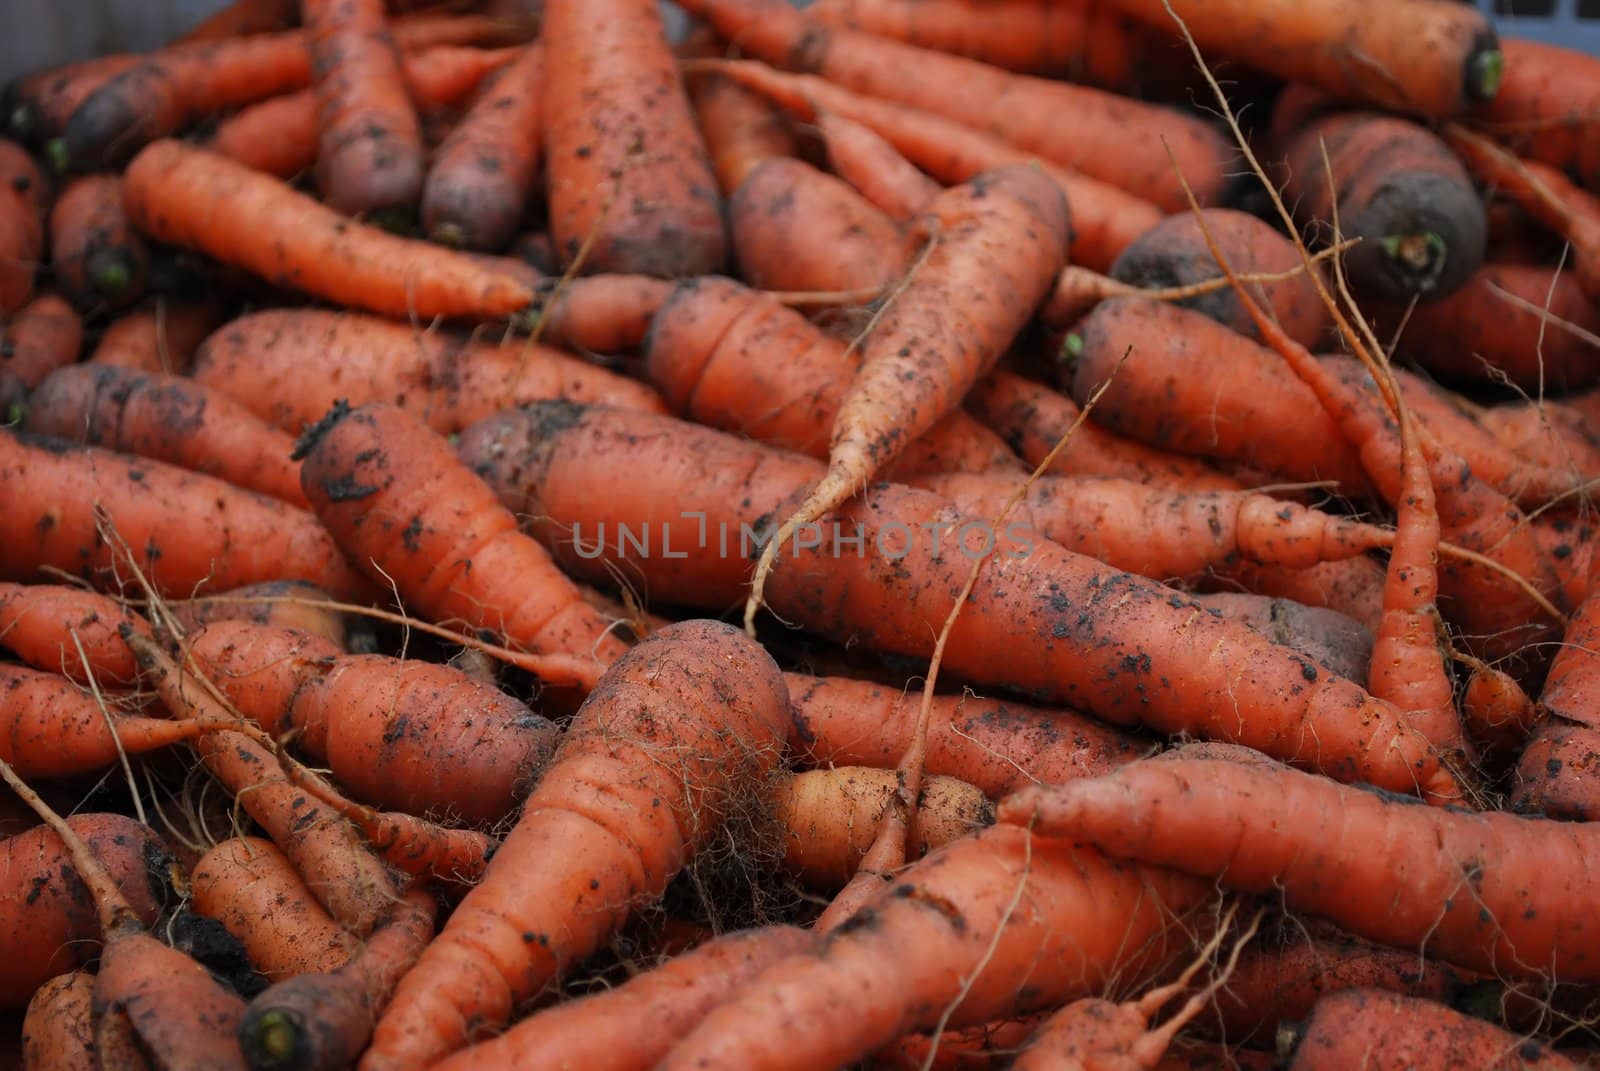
(1174, 253)
(1548, 107)
(1553, 776)
(23, 196)
(1543, 435)
(681, 729)
(741, 129)
(866, 160)
(737, 360)
(630, 1027)
(1088, 628)
(167, 418)
(1381, 1031)
(38, 105)
(158, 337)
(44, 625)
(322, 1022)
(187, 530)
(275, 603)
(279, 136)
(995, 745)
(1075, 40)
(199, 200)
(390, 491)
(794, 227)
(1400, 190)
(828, 818)
(252, 888)
(1432, 58)
(244, 17)
(1496, 711)
(42, 336)
(1478, 334)
(994, 245)
(975, 1048)
(340, 872)
(1191, 813)
(949, 944)
(51, 927)
(1105, 218)
(415, 736)
(370, 154)
(57, 1031)
(98, 260)
(1112, 138)
(1329, 637)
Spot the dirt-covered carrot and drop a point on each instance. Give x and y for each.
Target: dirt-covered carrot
(200, 200)
(322, 1022)
(482, 176)
(370, 155)
(995, 244)
(279, 136)
(1434, 58)
(1086, 921)
(996, 745)
(406, 734)
(1174, 253)
(1400, 190)
(392, 492)
(735, 359)
(447, 379)
(44, 625)
(1548, 107)
(1331, 638)
(1192, 814)
(99, 262)
(58, 1029)
(168, 418)
(1382, 1031)
(630, 1027)
(628, 172)
(22, 209)
(865, 159)
(794, 227)
(288, 604)
(40, 337)
(741, 128)
(1088, 628)
(681, 730)
(187, 530)
(1105, 218)
(244, 17)
(38, 105)
(1111, 138)
(1553, 776)
(158, 337)
(252, 888)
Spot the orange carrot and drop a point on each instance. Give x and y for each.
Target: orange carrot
(187, 531)
(370, 154)
(58, 1030)
(199, 200)
(23, 196)
(161, 337)
(1548, 107)
(37, 106)
(1549, 437)
(628, 174)
(1433, 58)
(244, 17)
(1105, 218)
(170, 419)
(45, 624)
(445, 379)
(275, 603)
(995, 245)
(252, 888)
(866, 160)
(741, 129)
(1553, 776)
(42, 336)
(322, 1022)
(390, 490)
(684, 727)
(737, 360)
(1087, 627)
(482, 176)
(98, 260)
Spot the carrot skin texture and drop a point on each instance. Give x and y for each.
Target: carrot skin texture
(658, 1007)
(1548, 108)
(394, 493)
(1192, 813)
(22, 209)
(1555, 775)
(44, 334)
(867, 161)
(188, 530)
(38, 105)
(201, 200)
(59, 929)
(99, 262)
(158, 337)
(742, 130)
(181, 1015)
(447, 380)
(624, 818)
(627, 167)
(483, 175)
(170, 419)
(255, 603)
(1080, 920)
(39, 622)
(57, 1031)
(1031, 596)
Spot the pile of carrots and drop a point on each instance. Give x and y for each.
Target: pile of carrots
(882, 533)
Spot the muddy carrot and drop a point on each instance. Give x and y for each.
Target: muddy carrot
(42, 336)
(740, 127)
(99, 262)
(1548, 107)
(45, 625)
(23, 196)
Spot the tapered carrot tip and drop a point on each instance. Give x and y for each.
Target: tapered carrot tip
(1559, 774)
